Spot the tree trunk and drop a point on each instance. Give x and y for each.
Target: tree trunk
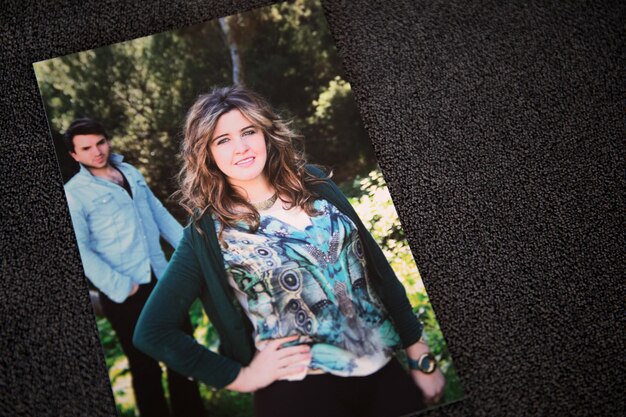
(234, 52)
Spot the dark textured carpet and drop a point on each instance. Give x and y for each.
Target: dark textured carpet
(500, 128)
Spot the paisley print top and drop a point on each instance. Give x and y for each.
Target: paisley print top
(311, 282)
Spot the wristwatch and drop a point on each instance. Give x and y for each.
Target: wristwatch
(426, 363)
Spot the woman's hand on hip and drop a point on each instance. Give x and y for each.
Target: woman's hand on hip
(271, 364)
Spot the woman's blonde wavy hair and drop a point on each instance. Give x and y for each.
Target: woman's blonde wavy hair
(202, 186)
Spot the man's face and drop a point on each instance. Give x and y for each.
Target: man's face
(91, 150)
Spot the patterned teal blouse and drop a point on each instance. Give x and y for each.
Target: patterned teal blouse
(313, 283)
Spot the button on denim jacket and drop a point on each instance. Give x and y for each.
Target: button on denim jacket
(118, 236)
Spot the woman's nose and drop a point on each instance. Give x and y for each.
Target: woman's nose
(242, 145)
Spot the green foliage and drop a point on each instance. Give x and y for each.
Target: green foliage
(110, 344)
(117, 364)
(335, 126)
(224, 403)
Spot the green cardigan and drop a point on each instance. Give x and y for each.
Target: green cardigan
(196, 270)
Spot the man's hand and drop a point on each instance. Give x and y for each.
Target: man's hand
(271, 364)
(134, 290)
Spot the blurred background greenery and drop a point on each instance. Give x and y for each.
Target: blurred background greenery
(141, 90)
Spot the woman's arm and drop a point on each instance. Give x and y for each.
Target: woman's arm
(431, 384)
(393, 295)
(158, 332)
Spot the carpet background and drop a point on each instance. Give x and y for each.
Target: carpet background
(500, 129)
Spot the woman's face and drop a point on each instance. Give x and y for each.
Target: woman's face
(238, 149)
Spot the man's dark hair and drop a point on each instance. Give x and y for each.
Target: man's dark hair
(82, 126)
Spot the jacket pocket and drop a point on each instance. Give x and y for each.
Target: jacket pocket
(103, 213)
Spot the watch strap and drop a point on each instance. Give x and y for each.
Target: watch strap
(426, 363)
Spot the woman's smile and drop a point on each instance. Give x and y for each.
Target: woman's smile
(246, 162)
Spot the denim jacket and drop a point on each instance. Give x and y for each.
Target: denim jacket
(118, 236)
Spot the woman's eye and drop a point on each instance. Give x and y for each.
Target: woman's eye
(222, 140)
(248, 132)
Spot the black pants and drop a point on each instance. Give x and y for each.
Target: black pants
(390, 392)
(146, 372)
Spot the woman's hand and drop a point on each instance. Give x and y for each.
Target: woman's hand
(431, 384)
(271, 364)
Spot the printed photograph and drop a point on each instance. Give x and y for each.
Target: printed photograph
(242, 250)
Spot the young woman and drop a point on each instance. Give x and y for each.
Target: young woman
(307, 309)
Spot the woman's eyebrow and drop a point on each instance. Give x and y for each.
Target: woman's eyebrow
(217, 137)
(226, 134)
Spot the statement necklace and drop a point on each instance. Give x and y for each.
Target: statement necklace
(265, 204)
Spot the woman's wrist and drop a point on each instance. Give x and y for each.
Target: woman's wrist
(417, 349)
(241, 383)
(420, 359)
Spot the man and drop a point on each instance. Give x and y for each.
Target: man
(118, 222)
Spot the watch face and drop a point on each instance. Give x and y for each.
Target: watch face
(428, 363)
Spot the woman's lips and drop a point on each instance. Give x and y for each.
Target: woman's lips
(246, 162)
